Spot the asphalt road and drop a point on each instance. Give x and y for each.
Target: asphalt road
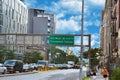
(70, 74)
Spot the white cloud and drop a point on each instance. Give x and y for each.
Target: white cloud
(95, 39)
(30, 3)
(71, 5)
(98, 2)
(97, 23)
(68, 6)
(60, 15)
(65, 26)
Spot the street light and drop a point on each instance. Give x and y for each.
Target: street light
(82, 47)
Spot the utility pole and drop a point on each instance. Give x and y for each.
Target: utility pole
(82, 47)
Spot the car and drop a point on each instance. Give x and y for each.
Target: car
(51, 66)
(26, 68)
(69, 66)
(3, 69)
(14, 65)
(59, 66)
(42, 63)
(33, 66)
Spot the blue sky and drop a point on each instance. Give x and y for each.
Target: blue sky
(68, 16)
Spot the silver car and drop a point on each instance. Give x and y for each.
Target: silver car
(3, 69)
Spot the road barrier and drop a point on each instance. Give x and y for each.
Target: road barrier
(46, 68)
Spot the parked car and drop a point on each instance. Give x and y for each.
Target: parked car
(3, 69)
(69, 66)
(26, 67)
(33, 66)
(42, 63)
(51, 66)
(14, 65)
(59, 66)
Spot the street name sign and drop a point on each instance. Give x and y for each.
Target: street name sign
(61, 40)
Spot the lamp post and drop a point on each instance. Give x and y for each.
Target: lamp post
(82, 47)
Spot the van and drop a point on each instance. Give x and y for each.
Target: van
(14, 65)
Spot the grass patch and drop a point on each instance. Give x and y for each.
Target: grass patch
(85, 78)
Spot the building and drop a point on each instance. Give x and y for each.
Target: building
(13, 20)
(13, 16)
(40, 22)
(105, 30)
(111, 32)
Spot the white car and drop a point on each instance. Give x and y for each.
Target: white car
(3, 69)
(26, 67)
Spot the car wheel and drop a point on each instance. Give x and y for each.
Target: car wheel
(4, 72)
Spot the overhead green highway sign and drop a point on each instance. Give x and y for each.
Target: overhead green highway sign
(61, 40)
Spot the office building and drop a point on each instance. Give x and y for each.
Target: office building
(13, 20)
(40, 22)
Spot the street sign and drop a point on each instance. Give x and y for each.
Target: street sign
(61, 39)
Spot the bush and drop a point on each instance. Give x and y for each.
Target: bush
(116, 74)
(85, 78)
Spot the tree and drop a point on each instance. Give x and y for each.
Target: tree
(72, 58)
(57, 55)
(6, 54)
(93, 54)
(32, 57)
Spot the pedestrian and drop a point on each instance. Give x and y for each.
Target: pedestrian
(94, 74)
(104, 72)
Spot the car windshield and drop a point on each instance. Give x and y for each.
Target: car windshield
(9, 63)
(41, 63)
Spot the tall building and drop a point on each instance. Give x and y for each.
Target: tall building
(105, 29)
(13, 16)
(111, 32)
(13, 19)
(40, 22)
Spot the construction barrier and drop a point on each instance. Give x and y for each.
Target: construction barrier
(40, 68)
(46, 68)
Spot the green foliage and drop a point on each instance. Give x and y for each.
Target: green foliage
(116, 74)
(72, 58)
(6, 54)
(32, 57)
(85, 78)
(93, 53)
(59, 56)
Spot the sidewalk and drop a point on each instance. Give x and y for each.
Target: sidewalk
(99, 76)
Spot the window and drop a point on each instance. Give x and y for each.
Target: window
(1, 19)
(0, 2)
(119, 24)
(0, 29)
(12, 13)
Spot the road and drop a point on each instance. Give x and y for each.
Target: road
(70, 74)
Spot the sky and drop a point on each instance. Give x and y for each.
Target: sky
(68, 16)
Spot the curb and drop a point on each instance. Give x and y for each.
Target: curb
(17, 74)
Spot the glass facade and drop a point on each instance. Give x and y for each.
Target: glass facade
(13, 19)
(1, 17)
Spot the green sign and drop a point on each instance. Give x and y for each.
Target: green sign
(61, 40)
